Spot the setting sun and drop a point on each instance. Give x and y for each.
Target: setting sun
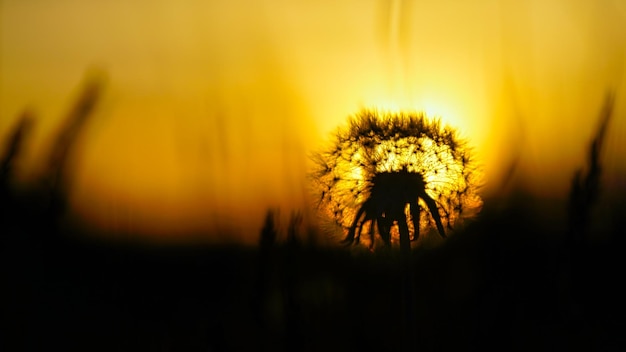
(280, 175)
(210, 110)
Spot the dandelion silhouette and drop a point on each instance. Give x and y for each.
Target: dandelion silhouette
(384, 170)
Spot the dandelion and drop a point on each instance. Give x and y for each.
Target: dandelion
(383, 171)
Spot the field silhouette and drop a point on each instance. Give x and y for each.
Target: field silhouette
(506, 281)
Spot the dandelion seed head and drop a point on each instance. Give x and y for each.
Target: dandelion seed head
(375, 143)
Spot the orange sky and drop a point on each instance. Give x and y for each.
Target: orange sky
(212, 107)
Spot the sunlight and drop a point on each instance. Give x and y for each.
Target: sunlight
(439, 108)
(211, 108)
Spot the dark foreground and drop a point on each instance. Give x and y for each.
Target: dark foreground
(509, 282)
(509, 289)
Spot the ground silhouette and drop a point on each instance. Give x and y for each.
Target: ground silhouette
(506, 281)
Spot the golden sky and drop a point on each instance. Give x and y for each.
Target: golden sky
(211, 108)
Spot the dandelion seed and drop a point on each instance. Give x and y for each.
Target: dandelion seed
(399, 165)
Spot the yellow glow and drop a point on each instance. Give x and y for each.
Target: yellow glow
(212, 107)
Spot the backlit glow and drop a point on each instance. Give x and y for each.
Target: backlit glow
(211, 108)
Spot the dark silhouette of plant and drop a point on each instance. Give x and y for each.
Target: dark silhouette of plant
(14, 146)
(267, 243)
(8, 207)
(385, 169)
(74, 124)
(46, 199)
(389, 194)
(585, 187)
(269, 232)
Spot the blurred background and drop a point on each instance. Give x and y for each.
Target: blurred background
(211, 109)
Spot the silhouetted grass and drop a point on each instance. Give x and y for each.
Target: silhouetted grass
(506, 281)
(513, 289)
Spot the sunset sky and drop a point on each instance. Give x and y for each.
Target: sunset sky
(211, 108)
